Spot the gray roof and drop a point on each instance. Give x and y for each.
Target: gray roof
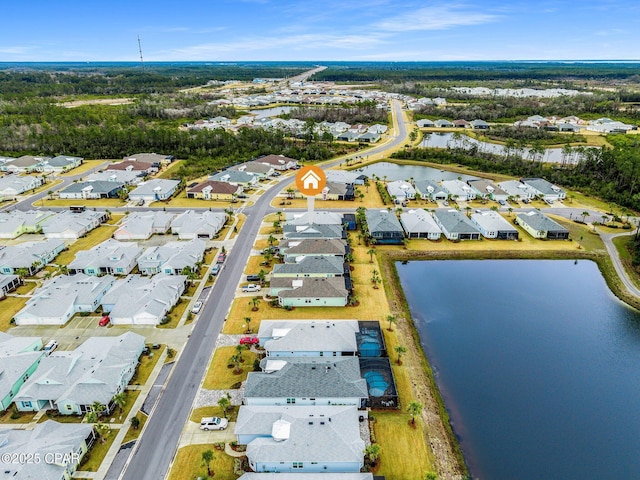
(517, 188)
(75, 222)
(45, 438)
(191, 222)
(429, 187)
(149, 157)
(14, 367)
(309, 335)
(311, 265)
(307, 246)
(144, 224)
(5, 281)
(457, 187)
(305, 377)
(401, 189)
(156, 186)
(318, 433)
(174, 255)
(253, 167)
(10, 345)
(485, 186)
(27, 161)
(123, 176)
(25, 254)
(312, 231)
(138, 299)
(343, 176)
(455, 222)
(233, 176)
(63, 161)
(382, 221)
(313, 287)
(540, 222)
(543, 186)
(492, 221)
(92, 372)
(97, 187)
(10, 221)
(108, 254)
(336, 188)
(320, 217)
(18, 183)
(415, 221)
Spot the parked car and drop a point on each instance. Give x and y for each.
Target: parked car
(252, 287)
(249, 341)
(221, 257)
(141, 202)
(104, 321)
(502, 202)
(253, 278)
(50, 347)
(275, 174)
(215, 270)
(213, 423)
(241, 195)
(196, 307)
(445, 203)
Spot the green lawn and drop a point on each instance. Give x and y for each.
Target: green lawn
(146, 365)
(621, 246)
(94, 457)
(91, 239)
(134, 433)
(198, 413)
(8, 308)
(188, 464)
(21, 417)
(176, 314)
(219, 376)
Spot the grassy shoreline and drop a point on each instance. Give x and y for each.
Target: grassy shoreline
(400, 307)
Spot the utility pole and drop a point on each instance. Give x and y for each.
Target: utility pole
(140, 50)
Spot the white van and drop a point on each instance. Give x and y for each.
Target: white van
(50, 347)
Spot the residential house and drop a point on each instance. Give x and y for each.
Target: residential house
(141, 225)
(65, 443)
(420, 224)
(192, 224)
(430, 190)
(128, 177)
(153, 190)
(73, 225)
(455, 225)
(25, 164)
(517, 190)
(369, 137)
(278, 162)
(479, 125)
(545, 190)
(460, 123)
(12, 185)
(138, 300)
(346, 176)
(236, 177)
(314, 230)
(384, 226)
(152, 158)
(109, 257)
(302, 439)
(377, 128)
(347, 136)
(72, 381)
(257, 169)
(16, 222)
(213, 190)
(294, 250)
(425, 123)
(401, 191)
(486, 189)
(172, 257)
(8, 283)
(59, 298)
(321, 266)
(307, 381)
(132, 166)
(323, 217)
(309, 338)
(493, 225)
(568, 127)
(19, 358)
(61, 163)
(539, 225)
(31, 256)
(442, 124)
(91, 190)
(310, 291)
(459, 191)
(336, 191)
(309, 476)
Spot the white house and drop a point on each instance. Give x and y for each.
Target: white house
(32, 256)
(420, 224)
(517, 190)
(109, 257)
(141, 225)
(155, 189)
(278, 162)
(73, 225)
(12, 185)
(128, 177)
(546, 190)
(493, 225)
(61, 297)
(401, 191)
(192, 224)
(16, 222)
(138, 300)
(172, 257)
(455, 225)
(459, 190)
(308, 338)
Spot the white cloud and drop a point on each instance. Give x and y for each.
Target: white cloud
(436, 18)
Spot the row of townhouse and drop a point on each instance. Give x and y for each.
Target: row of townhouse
(574, 124)
(12, 185)
(42, 164)
(65, 224)
(148, 191)
(188, 225)
(301, 412)
(442, 123)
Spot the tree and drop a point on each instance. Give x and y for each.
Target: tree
(135, 423)
(468, 210)
(271, 240)
(290, 191)
(120, 399)
(255, 304)
(371, 252)
(279, 215)
(22, 272)
(50, 194)
(391, 319)
(208, 457)
(248, 322)
(225, 404)
(96, 410)
(400, 350)
(262, 275)
(268, 256)
(361, 196)
(276, 226)
(236, 361)
(415, 409)
(190, 273)
(375, 279)
(63, 269)
(373, 452)
(510, 209)
(239, 350)
(359, 238)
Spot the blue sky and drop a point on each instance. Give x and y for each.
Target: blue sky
(227, 30)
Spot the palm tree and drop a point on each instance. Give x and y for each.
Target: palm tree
(225, 404)
(468, 210)
(279, 215)
(63, 269)
(510, 209)
(359, 238)
(236, 361)
(375, 279)
(120, 399)
(366, 185)
(268, 256)
(239, 350)
(262, 275)
(248, 322)
(271, 240)
(255, 304)
(361, 196)
(391, 319)
(190, 273)
(290, 192)
(415, 409)
(400, 350)
(584, 215)
(22, 272)
(208, 457)
(135, 423)
(50, 194)
(371, 252)
(276, 226)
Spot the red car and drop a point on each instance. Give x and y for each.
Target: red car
(104, 321)
(249, 341)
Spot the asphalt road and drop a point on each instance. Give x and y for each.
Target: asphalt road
(607, 238)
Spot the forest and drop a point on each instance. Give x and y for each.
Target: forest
(362, 112)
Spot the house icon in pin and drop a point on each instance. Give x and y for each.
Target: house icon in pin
(310, 180)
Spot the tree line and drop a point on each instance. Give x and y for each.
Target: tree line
(361, 112)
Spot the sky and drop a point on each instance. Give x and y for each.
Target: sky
(315, 30)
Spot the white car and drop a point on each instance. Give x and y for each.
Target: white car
(213, 423)
(252, 287)
(196, 307)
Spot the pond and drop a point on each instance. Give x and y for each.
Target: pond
(447, 140)
(394, 171)
(271, 112)
(538, 364)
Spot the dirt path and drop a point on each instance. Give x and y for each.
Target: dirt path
(97, 101)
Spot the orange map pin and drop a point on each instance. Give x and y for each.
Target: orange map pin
(310, 180)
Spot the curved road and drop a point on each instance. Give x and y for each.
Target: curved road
(157, 446)
(607, 238)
